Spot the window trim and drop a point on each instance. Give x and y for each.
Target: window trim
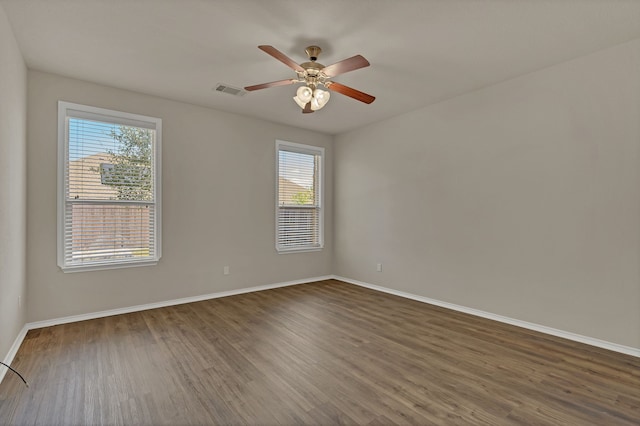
(302, 149)
(69, 109)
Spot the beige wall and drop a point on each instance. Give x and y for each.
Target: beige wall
(218, 205)
(13, 186)
(521, 199)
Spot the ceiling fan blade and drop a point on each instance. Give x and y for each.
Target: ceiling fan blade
(350, 64)
(348, 91)
(281, 57)
(307, 108)
(272, 84)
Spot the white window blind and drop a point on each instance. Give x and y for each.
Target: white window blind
(299, 197)
(109, 178)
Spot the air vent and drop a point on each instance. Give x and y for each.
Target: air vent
(225, 88)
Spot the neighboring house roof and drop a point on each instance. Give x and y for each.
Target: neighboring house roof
(85, 179)
(288, 190)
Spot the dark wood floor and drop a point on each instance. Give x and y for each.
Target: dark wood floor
(322, 353)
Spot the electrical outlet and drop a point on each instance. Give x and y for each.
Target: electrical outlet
(379, 267)
(226, 270)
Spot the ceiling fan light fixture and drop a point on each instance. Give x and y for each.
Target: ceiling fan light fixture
(299, 102)
(312, 74)
(321, 97)
(304, 93)
(316, 104)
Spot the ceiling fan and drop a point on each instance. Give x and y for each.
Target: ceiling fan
(309, 97)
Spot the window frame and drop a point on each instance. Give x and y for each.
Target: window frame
(67, 110)
(302, 149)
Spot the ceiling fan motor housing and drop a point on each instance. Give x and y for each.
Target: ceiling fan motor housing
(312, 70)
(313, 52)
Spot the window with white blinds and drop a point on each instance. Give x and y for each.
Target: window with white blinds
(108, 188)
(299, 197)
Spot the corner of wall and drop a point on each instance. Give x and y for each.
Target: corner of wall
(13, 176)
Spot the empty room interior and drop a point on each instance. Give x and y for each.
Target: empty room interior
(319, 212)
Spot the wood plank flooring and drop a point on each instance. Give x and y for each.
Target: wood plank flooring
(322, 353)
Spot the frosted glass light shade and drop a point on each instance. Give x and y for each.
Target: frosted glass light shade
(322, 96)
(320, 99)
(304, 93)
(299, 102)
(317, 97)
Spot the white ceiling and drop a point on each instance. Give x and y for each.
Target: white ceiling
(421, 52)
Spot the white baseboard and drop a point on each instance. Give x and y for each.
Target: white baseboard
(101, 314)
(524, 324)
(12, 352)
(93, 315)
(137, 308)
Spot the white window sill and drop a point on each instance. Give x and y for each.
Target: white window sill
(104, 266)
(298, 250)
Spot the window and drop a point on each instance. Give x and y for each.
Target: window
(299, 197)
(108, 188)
